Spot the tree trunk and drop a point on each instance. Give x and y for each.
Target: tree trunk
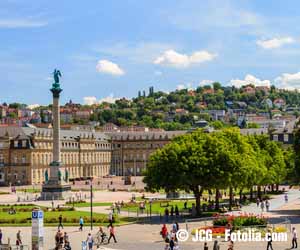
(217, 204)
(265, 189)
(198, 194)
(241, 195)
(230, 198)
(272, 187)
(251, 193)
(277, 187)
(259, 192)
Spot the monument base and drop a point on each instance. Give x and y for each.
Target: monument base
(55, 191)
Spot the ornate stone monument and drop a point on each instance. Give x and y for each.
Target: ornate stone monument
(57, 184)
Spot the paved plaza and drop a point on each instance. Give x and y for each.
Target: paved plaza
(147, 237)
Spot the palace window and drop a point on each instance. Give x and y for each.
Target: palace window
(16, 144)
(23, 159)
(286, 137)
(1, 158)
(24, 143)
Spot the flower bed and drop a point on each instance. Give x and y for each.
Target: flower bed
(241, 220)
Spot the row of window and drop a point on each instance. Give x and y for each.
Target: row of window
(285, 137)
(72, 158)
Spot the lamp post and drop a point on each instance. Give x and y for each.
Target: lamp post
(150, 209)
(91, 201)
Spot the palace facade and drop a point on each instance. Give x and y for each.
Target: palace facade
(25, 154)
(131, 150)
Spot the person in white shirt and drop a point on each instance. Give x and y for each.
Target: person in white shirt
(294, 238)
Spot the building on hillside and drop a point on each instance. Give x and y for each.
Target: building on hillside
(25, 154)
(83, 114)
(267, 102)
(265, 89)
(254, 131)
(249, 90)
(216, 115)
(66, 116)
(131, 150)
(286, 134)
(279, 103)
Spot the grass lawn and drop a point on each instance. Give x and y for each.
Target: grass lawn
(159, 207)
(29, 190)
(88, 204)
(70, 218)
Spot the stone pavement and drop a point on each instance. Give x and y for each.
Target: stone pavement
(146, 236)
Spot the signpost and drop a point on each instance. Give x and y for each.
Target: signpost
(37, 229)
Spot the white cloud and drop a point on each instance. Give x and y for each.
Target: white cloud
(109, 99)
(108, 67)
(180, 87)
(89, 100)
(174, 59)
(21, 23)
(205, 82)
(288, 81)
(275, 42)
(33, 106)
(249, 79)
(184, 86)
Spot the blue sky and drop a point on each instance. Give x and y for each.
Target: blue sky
(113, 48)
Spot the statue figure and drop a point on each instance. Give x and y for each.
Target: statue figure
(46, 176)
(56, 76)
(59, 175)
(66, 175)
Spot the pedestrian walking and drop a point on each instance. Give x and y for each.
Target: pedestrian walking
(176, 211)
(112, 233)
(172, 243)
(172, 211)
(294, 238)
(216, 245)
(164, 231)
(81, 224)
(230, 245)
(262, 205)
(205, 246)
(60, 225)
(267, 205)
(286, 198)
(167, 214)
(19, 240)
(269, 245)
(90, 241)
(257, 202)
(1, 236)
(66, 238)
(110, 218)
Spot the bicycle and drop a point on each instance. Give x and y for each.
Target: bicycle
(100, 239)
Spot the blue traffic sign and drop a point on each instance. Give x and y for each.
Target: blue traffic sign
(37, 214)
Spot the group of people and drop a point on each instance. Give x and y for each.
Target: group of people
(173, 211)
(62, 240)
(263, 204)
(101, 236)
(116, 207)
(169, 237)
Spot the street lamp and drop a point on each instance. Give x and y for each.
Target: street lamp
(91, 201)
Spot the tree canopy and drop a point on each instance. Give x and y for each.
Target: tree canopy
(223, 159)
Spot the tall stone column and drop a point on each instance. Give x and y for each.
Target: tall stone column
(56, 163)
(57, 186)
